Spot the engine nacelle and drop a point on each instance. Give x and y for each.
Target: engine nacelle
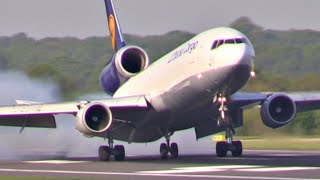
(126, 63)
(130, 60)
(278, 110)
(93, 119)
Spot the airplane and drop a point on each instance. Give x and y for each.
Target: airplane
(195, 86)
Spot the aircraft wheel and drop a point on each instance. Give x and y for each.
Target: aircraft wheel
(237, 151)
(174, 150)
(119, 153)
(104, 153)
(164, 151)
(221, 149)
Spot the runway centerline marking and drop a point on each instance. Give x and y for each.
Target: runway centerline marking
(152, 175)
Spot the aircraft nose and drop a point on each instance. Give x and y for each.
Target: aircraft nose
(233, 55)
(248, 56)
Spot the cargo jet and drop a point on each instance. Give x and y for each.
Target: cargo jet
(194, 86)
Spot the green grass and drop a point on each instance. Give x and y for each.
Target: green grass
(281, 143)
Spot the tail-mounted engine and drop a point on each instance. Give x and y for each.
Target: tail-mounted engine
(278, 110)
(130, 60)
(93, 119)
(126, 63)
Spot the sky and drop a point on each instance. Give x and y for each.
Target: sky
(84, 18)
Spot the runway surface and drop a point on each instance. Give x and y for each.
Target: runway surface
(260, 165)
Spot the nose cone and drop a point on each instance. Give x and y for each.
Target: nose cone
(234, 55)
(245, 56)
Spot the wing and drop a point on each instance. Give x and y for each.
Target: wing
(279, 108)
(34, 114)
(304, 101)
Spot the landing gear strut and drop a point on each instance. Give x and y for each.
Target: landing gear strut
(166, 148)
(105, 152)
(224, 120)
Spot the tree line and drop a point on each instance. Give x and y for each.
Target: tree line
(285, 61)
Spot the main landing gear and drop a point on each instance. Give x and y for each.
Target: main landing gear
(105, 152)
(166, 148)
(224, 120)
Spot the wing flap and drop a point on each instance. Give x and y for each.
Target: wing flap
(39, 121)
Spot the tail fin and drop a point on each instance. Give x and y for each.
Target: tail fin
(117, 40)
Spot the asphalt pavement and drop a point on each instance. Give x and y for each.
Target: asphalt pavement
(254, 164)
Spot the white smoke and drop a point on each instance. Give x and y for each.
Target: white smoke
(16, 85)
(35, 142)
(65, 141)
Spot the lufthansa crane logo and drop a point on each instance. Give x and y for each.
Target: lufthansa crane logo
(112, 29)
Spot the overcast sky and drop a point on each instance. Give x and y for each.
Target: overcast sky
(83, 18)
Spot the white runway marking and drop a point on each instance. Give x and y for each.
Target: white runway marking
(242, 168)
(54, 162)
(149, 175)
(274, 169)
(200, 169)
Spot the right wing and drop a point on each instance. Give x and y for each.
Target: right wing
(33, 114)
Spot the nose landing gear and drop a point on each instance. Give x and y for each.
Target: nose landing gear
(224, 120)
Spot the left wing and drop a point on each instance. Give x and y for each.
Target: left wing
(304, 101)
(277, 108)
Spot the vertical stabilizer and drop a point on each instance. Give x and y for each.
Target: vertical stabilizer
(117, 40)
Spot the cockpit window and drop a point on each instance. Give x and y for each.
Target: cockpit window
(229, 41)
(238, 40)
(214, 45)
(220, 42)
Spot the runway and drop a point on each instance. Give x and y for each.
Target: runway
(255, 164)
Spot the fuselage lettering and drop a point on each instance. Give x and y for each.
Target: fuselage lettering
(187, 49)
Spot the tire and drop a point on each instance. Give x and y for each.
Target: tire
(221, 149)
(237, 149)
(104, 153)
(174, 150)
(164, 151)
(119, 153)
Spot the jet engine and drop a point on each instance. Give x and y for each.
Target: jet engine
(130, 60)
(126, 63)
(278, 110)
(93, 119)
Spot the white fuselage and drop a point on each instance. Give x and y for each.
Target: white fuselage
(192, 58)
